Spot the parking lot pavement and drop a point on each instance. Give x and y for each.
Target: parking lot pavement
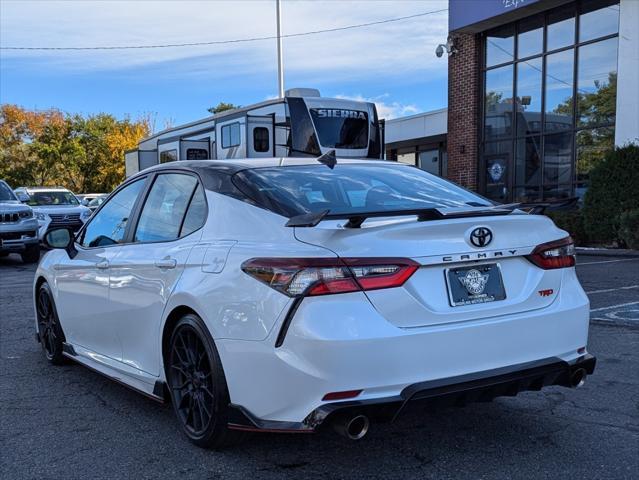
(68, 422)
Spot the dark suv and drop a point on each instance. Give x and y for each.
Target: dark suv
(18, 227)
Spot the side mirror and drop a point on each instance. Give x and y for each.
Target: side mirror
(61, 238)
(85, 201)
(23, 197)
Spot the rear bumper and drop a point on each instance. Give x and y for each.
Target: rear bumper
(475, 387)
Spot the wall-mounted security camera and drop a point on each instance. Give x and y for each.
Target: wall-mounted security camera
(449, 47)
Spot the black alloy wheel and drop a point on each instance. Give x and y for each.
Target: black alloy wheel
(49, 329)
(198, 386)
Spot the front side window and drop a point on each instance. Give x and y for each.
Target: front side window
(231, 135)
(164, 208)
(341, 128)
(260, 139)
(108, 226)
(350, 188)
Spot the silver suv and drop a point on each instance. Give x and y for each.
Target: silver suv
(18, 227)
(54, 207)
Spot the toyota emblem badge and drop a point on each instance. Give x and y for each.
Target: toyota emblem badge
(481, 236)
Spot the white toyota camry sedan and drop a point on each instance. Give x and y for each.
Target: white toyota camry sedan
(290, 294)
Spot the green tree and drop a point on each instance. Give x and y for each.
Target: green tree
(222, 107)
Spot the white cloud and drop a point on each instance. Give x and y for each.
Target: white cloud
(385, 109)
(396, 48)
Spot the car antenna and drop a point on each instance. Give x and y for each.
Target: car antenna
(328, 159)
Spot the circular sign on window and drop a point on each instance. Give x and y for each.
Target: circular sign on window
(496, 171)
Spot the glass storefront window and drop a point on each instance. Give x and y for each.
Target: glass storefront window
(499, 102)
(592, 145)
(561, 28)
(530, 37)
(529, 97)
(558, 164)
(407, 157)
(498, 157)
(500, 46)
(429, 161)
(528, 161)
(542, 135)
(597, 83)
(559, 87)
(598, 19)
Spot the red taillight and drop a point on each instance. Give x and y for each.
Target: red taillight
(557, 254)
(324, 276)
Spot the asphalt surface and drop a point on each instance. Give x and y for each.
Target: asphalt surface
(68, 422)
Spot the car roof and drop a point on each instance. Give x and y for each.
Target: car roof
(237, 164)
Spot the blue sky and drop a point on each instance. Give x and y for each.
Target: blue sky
(392, 64)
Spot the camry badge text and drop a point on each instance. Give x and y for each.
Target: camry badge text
(478, 256)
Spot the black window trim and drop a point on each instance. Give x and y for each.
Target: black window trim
(229, 125)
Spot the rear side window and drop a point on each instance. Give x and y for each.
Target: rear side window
(165, 207)
(168, 156)
(260, 139)
(231, 135)
(350, 188)
(196, 214)
(197, 154)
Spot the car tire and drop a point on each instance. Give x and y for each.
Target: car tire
(31, 254)
(49, 329)
(197, 385)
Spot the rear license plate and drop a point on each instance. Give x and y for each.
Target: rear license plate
(476, 284)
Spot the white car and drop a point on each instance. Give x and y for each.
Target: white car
(54, 207)
(284, 295)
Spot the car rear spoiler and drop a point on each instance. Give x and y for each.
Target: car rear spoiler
(355, 220)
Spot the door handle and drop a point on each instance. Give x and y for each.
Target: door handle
(166, 263)
(102, 265)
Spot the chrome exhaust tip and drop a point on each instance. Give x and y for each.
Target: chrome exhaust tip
(578, 378)
(353, 428)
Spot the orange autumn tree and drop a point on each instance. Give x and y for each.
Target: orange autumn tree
(49, 147)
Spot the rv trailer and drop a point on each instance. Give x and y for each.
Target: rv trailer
(300, 124)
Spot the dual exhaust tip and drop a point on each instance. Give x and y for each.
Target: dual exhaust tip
(353, 427)
(578, 377)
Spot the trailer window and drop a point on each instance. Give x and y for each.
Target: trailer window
(197, 154)
(231, 135)
(168, 156)
(260, 139)
(341, 128)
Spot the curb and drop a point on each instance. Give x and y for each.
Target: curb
(607, 252)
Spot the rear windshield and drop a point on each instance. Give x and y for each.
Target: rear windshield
(55, 197)
(350, 188)
(339, 128)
